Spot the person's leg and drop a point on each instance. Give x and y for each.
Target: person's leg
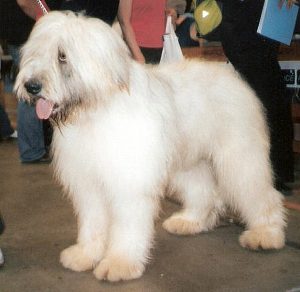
(30, 134)
(5, 127)
(264, 75)
(152, 55)
(256, 59)
(30, 129)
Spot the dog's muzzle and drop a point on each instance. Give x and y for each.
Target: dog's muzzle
(43, 107)
(33, 87)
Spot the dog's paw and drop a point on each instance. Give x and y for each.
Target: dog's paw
(74, 258)
(263, 237)
(116, 268)
(180, 225)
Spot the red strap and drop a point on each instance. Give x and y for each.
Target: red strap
(39, 12)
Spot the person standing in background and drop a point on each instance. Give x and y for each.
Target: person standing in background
(255, 58)
(143, 25)
(15, 28)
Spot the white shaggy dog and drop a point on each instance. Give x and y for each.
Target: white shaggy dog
(126, 134)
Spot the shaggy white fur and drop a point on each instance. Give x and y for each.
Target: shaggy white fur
(125, 134)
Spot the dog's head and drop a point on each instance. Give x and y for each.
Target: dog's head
(71, 60)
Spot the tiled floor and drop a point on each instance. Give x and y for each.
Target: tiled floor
(40, 223)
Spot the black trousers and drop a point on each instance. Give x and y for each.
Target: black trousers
(255, 57)
(152, 55)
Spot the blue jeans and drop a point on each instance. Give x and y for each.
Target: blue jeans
(30, 133)
(5, 127)
(30, 129)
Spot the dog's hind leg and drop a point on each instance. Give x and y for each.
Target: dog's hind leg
(92, 231)
(247, 184)
(201, 204)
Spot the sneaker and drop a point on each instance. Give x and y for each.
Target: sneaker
(14, 135)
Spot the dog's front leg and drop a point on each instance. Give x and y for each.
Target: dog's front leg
(92, 231)
(130, 239)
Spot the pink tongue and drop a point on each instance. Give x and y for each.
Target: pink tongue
(44, 108)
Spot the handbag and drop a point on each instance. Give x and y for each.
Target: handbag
(171, 49)
(207, 15)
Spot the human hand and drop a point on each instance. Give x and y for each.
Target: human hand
(173, 13)
(289, 3)
(180, 19)
(140, 58)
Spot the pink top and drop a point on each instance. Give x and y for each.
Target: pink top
(148, 22)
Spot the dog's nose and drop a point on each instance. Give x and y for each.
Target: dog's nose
(33, 86)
